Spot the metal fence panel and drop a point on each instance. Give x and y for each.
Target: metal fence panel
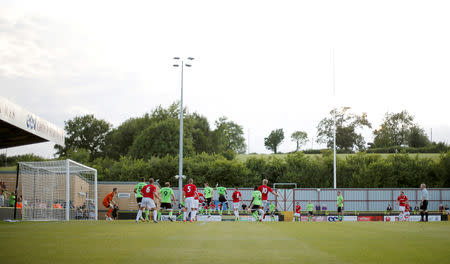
(354, 199)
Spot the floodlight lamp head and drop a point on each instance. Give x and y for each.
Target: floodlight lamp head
(188, 65)
(190, 58)
(176, 58)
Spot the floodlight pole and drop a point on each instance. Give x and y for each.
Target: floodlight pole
(67, 211)
(180, 159)
(334, 126)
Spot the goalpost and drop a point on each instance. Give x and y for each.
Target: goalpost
(58, 190)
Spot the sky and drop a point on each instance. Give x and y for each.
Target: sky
(263, 64)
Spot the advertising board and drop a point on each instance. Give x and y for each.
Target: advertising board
(412, 218)
(314, 218)
(369, 218)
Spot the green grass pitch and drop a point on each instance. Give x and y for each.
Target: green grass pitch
(224, 242)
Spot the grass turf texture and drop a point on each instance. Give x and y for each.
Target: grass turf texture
(224, 242)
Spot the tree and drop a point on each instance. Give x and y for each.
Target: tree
(300, 138)
(201, 133)
(274, 140)
(228, 136)
(120, 139)
(84, 132)
(347, 137)
(394, 130)
(417, 137)
(161, 139)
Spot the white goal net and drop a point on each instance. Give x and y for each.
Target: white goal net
(58, 190)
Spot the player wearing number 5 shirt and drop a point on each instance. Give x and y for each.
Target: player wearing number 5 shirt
(189, 192)
(264, 189)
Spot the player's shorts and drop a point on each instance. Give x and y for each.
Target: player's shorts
(401, 208)
(138, 200)
(208, 201)
(166, 206)
(107, 205)
(296, 215)
(340, 209)
(148, 203)
(189, 203)
(236, 205)
(310, 212)
(255, 207)
(195, 204)
(424, 205)
(264, 203)
(222, 198)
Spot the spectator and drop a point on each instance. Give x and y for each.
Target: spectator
(19, 203)
(446, 209)
(389, 209)
(2, 185)
(2, 198)
(12, 199)
(318, 208)
(416, 209)
(441, 208)
(324, 207)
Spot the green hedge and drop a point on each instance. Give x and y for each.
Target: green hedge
(432, 148)
(354, 171)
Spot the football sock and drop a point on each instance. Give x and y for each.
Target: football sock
(159, 216)
(109, 212)
(193, 214)
(184, 216)
(139, 214)
(147, 212)
(255, 215)
(155, 215)
(261, 212)
(170, 214)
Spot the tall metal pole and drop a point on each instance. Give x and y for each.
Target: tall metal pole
(180, 160)
(67, 211)
(334, 127)
(95, 195)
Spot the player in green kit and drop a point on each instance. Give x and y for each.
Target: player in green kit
(310, 209)
(222, 191)
(340, 205)
(255, 205)
(166, 199)
(209, 193)
(272, 211)
(138, 195)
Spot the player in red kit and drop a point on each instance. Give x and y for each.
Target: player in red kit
(236, 199)
(297, 214)
(406, 215)
(197, 201)
(402, 200)
(189, 193)
(149, 194)
(264, 189)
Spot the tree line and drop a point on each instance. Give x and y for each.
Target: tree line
(398, 131)
(354, 171)
(148, 146)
